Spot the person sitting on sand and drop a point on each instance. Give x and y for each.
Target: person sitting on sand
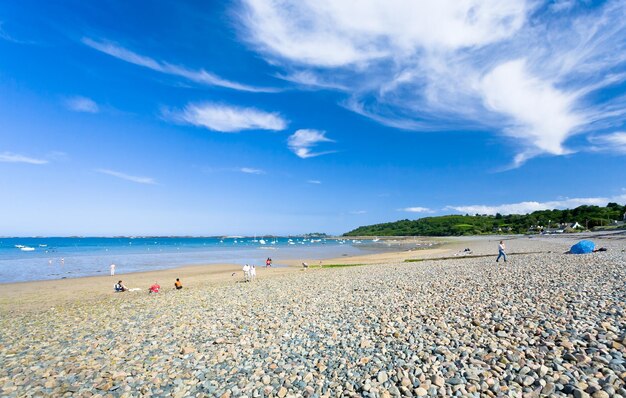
(178, 285)
(154, 288)
(119, 287)
(305, 265)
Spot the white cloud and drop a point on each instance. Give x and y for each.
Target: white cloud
(199, 76)
(249, 170)
(614, 142)
(358, 212)
(8, 157)
(515, 68)
(339, 33)
(417, 209)
(123, 176)
(529, 207)
(303, 140)
(317, 182)
(226, 118)
(82, 104)
(540, 113)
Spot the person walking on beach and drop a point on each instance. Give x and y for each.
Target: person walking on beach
(501, 252)
(268, 263)
(252, 272)
(246, 273)
(112, 269)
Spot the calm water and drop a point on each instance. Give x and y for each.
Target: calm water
(26, 259)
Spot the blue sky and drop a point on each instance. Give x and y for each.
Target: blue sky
(278, 117)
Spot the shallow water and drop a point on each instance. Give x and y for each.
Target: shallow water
(56, 258)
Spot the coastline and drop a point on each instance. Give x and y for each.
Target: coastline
(45, 294)
(42, 294)
(447, 324)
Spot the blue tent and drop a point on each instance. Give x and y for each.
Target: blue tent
(583, 247)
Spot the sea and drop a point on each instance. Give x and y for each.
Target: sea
(45, 258)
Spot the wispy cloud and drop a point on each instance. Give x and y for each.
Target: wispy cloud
(124, 176)
(227, 118)
(8, 157)
(613, 142)
(315, 182)
(357, 212)
(530, 206)
(417, 209)
(200, 76)
(82, 104)
(4, 35)
(302, 141)
(515, 68)
(249, 170)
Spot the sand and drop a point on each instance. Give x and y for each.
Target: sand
(543, 324)
(37, 295)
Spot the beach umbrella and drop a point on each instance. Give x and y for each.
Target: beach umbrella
(583, 247)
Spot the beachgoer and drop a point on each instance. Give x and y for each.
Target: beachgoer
(252, 272)
(501, 252)
(119, 287)
(154, 288)
(178, 285)
(112, 269)
(268, 262)
(305, 265)
(246, 273)
(62, 261)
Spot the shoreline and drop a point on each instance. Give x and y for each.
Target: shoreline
(42, 294)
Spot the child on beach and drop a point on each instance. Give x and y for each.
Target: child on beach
(154, 288)
(246, 273)
(252, 272)
(178, 285)
(501, 252)
(268, 262)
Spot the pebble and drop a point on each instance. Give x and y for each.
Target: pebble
(545, 324)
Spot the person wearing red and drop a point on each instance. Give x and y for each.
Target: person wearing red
(154, 288)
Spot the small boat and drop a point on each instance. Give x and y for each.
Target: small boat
(375, 240)
(19, 246)
(27, 249)
(43, 245)
(262, 241)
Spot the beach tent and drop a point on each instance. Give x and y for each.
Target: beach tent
(583, 247)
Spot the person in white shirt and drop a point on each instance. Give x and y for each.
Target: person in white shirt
(501, 252)
(252, 272)
(246, 273)
(112, 269)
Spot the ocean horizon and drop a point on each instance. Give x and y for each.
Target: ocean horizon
(45, 258)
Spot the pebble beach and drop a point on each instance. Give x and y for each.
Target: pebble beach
(544, 323)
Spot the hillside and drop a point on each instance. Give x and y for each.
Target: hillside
(455, 225)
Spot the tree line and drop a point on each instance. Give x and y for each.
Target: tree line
(587, 217)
